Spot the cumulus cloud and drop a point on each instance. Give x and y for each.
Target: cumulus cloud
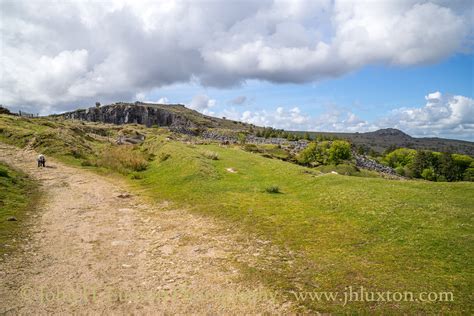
(65, 54)
(448, 116)
(163, 100)
(201, 102)
(334, 120)
(442, 115)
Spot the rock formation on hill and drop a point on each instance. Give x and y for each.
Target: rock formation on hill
(127, 113)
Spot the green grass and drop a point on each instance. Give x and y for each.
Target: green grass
(381, 234)
(17, 195)
(385, 235)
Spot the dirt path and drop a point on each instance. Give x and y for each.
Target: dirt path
(94, 249)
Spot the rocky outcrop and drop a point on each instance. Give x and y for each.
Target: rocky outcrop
(4, 110)
(128, 113)
(366, 163)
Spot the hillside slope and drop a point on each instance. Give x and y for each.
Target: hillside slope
(318, 232)
(183, 119)
(148, 114)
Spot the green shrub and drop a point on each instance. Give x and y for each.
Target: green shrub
(428, 174)
(400, 170)
(340, 150)
(315, 154)
(469, 174)
(324, 152)
(272, 189)
(400, 157)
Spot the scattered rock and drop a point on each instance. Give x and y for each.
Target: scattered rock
(11, 219)
(124, 195)
(334, 172)
(126, 265)
(231, 170)
(366, 163)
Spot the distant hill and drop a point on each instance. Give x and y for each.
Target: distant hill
(181, 118)
(384, 139)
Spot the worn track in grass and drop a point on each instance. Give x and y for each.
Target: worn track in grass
(91, 247)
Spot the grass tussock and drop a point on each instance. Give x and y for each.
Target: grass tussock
(211, 155)
(124, 159)
(272, 189)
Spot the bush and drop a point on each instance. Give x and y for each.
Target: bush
(400, 170)
(340, 150)
(324, 152)
(272, 189)
(469, 174)
(400, 157)
(242, 138)
(428, 174)
(211, 155)
(314, 154)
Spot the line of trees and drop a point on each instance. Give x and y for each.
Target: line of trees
(432, 166)
(269, 132)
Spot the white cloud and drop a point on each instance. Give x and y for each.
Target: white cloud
(442, 115)
(72, 53)
(163, 100)
(279, 118)
(448, 116)
(201, 102)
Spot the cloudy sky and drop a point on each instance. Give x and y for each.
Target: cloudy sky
(299, 65)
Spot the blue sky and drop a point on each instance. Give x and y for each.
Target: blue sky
(370, 92)
(326, 65)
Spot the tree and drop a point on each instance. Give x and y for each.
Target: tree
(447, 167)
(306, 136)
(461, 164)
(242, 138)
(421, 162)
(469, 173)
(400, 157)
(339, 150)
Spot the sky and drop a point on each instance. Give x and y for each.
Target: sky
(345, 66)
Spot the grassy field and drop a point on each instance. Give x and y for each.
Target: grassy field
(336, 231)
(17, 195)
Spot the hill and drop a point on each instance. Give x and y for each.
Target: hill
(384, 139)
(176, 116)
(185, 120)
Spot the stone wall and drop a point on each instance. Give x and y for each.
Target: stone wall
(366, 163)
